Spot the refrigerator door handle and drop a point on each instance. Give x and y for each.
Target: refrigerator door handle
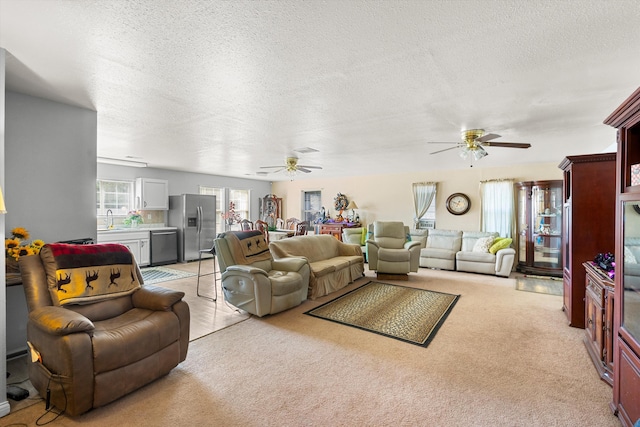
(199, 219)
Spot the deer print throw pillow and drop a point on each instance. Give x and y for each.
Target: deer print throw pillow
(82, 274)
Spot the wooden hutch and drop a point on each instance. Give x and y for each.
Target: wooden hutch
(626, 352)
(589, 200)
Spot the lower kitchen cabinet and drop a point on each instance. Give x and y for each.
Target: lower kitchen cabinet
(137, 242)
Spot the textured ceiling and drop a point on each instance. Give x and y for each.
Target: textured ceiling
(224, 87)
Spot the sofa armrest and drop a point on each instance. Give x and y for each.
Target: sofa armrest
(289, 263)
(346, 249)
(505, 258)
(60, 321)
(156, 298)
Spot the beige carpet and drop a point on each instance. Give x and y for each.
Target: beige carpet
(505, 358)
(400, 312)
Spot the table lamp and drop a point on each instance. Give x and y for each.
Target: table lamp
(352, 205)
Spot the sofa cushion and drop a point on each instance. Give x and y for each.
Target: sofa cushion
(390, 234)
(393, 255)
(449, 240)
(83, 274)
(500, 243)
(437, 253)
(484, 257)
(132, 336)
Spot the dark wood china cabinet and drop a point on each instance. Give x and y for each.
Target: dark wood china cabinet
(626, 352)
(539, 227)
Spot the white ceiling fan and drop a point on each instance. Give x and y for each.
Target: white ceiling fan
(291, 167)
(474, 141)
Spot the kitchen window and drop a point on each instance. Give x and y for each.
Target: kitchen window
(115, 195)
(220, 202)
(241, 199)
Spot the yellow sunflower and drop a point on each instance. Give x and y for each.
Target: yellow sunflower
(37, 244)
(22, 251)
(11, 243)
(20, 233)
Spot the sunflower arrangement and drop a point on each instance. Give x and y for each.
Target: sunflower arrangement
(17, 245)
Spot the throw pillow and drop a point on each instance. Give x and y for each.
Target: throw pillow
(500, 243)
(363, 239)
(483, 244)
(628, 256)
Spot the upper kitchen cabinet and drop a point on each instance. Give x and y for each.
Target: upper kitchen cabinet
(152, 194)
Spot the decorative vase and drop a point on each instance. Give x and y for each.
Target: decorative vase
(12, 265)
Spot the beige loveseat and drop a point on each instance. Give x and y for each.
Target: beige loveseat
(334, 264)
(456, 250)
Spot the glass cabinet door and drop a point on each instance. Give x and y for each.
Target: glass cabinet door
(546, 212)
(523, 224)
(631, 270)
(539, 219)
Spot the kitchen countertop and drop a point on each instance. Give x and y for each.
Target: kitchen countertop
(135, 229)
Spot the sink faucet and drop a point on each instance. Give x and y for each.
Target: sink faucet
(109, 222)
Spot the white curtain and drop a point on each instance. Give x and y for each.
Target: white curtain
(498, 207)
(423, 194)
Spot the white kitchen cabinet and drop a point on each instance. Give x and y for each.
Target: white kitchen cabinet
(145, 252)
(152, 194)
(137, 242)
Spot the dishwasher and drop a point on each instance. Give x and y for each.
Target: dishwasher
(164, 247)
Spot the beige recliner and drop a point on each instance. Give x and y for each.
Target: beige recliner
(253, 281)
(98, 331)
(390, 250)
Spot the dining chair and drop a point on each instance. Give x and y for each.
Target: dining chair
(263, 227)
(302, 228)
(246, 225)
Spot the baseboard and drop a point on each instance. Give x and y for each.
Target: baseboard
(5, 408)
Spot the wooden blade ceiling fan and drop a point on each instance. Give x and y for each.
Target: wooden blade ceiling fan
(474, 141)
(291, 167)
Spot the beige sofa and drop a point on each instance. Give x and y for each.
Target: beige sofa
(454, 250)
(333, 264)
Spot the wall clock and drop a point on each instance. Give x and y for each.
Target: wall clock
(458, 204)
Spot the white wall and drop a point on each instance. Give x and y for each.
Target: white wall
(390, 197)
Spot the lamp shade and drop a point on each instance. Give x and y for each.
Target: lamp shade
(3, 208)
(352, 205)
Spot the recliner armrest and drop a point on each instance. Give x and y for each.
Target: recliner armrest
(373, 242)
(60, 321)
(156, 298)
(244, 269)
(289, 263)
(411, 244)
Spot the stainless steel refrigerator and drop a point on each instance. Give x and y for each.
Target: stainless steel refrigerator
(195, 217)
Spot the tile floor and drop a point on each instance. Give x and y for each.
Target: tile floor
(206, 316)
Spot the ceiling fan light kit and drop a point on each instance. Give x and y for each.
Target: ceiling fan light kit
(474, 141)
(291, 167)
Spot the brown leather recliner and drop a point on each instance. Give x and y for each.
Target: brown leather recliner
(99, 332)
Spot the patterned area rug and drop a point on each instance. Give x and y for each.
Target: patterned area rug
(153, 275)
(407, 314)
